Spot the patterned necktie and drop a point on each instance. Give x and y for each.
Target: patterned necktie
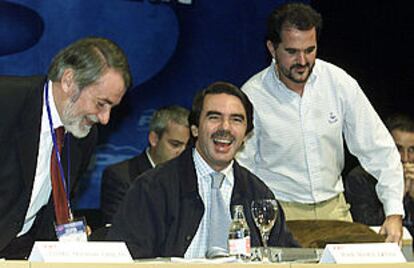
(58, 190)
(219, 220)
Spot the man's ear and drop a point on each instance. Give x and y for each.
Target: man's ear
(271, 48)
(67, 81)
(153, 138)
(194, 131)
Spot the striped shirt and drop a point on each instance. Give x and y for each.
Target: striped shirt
(297, 144)
(198, 246)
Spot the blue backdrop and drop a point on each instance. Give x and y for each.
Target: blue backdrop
(174, 48)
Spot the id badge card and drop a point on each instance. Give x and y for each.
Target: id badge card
(73, 231)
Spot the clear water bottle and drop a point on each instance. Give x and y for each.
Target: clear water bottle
(239, 235)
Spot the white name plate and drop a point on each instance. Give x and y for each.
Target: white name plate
(98, 252)
(362, 253)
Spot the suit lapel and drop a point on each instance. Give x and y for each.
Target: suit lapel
(138, 165)
(29, 135)
(187, 173)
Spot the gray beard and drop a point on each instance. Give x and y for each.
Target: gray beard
(73, 123)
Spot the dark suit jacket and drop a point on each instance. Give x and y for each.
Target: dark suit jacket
(361, 195)
(163, 209)
(366, 208)
(21, 100)
(117, 179)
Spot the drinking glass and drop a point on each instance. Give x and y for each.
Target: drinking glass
(264, 212)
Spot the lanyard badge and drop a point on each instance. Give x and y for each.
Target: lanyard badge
(74, 229)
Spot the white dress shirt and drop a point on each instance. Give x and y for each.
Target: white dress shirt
(198, 246)
(42, 185)
(297, 144)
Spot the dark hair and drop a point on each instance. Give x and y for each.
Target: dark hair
(401, 122)
(296, 15)
(218, 88)
(164, 115)
(90, 58)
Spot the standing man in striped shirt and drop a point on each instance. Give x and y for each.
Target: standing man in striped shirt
(304, 107)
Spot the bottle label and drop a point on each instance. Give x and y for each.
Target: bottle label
(240, 246)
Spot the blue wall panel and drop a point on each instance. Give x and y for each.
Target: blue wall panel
(174, 50)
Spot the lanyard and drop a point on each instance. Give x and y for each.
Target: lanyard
(55, 147)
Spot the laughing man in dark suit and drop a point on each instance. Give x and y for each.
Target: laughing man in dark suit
(167, 210)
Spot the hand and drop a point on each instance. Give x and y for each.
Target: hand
(88, 230)
(392, 228)
(409, 178)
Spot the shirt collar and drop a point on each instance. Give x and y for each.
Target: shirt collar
(203, 169)
(149, 157)
(275, 75)
(53, 110)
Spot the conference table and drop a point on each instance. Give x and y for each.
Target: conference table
(407, 250)
(26, 264)
(180, 263)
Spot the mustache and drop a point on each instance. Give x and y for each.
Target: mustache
(222, 133)
(300, 66)
(93, 118)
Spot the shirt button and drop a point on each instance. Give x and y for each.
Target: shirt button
(188, 238)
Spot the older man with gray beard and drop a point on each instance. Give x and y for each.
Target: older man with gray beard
(85, 80)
